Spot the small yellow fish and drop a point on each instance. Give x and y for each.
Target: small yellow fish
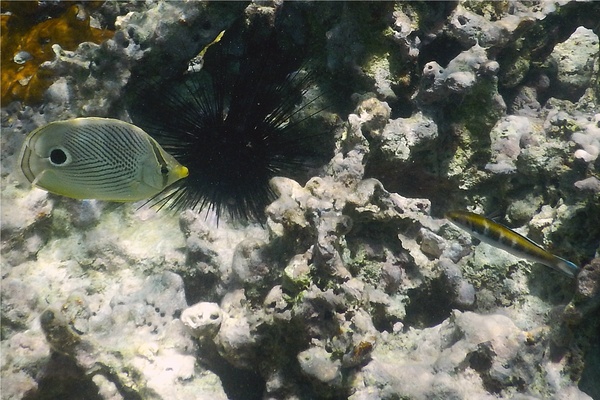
(500, 236)
(98, 158)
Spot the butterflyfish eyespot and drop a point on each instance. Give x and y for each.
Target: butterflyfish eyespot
(58, 157)
(98, 158)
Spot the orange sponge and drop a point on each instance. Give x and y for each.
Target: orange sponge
(26, 45)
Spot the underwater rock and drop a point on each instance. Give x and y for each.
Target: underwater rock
(24, 230)
(592, 184)
(143, 323)
(588, 140)
(471, 28)
(203, 319)
(297, 272)
(358, 340)
(586, 300)
(317, 311)
(431, 244)
(25, 351)
(463, 292)
(402, 137)
(106, 389)
(276, 304)
(526, 101)
(576, 61)
(85, 214)
(236, 340)
(404, 31)
(211, 255)
(523, 210)
(462, 357)
(316, 362)
(330, 231)
(506, 143)
(374, 116)
(18, 300)
(458, 78)
(370, 199)
(249, 266)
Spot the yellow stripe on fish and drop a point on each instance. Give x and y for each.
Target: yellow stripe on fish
(500, 236)
(98, 158)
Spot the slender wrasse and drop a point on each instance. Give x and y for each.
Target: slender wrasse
(98, 158)
(500, 236)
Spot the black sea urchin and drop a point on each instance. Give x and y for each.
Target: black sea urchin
(235, 124)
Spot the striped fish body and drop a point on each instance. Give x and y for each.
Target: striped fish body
(98, 158)
(500, 236)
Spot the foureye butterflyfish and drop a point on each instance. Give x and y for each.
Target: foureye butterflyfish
(98, 158)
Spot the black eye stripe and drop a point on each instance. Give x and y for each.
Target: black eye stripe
(164, 170)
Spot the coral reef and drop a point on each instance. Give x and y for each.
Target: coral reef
(355, 286)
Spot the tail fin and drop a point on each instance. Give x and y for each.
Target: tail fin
(566, 266)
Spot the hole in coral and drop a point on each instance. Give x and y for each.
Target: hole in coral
(462, 20)
(442, 50)
(200, 287)
(381, 320)
(429, 305)
(401, 108)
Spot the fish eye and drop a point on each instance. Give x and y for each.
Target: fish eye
(58, 156)
(164, 170)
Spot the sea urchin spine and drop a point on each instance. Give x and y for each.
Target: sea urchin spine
(232, 124)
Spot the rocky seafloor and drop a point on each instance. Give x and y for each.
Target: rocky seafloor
(356, 286)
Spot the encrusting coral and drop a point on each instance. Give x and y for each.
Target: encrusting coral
(27, 43)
